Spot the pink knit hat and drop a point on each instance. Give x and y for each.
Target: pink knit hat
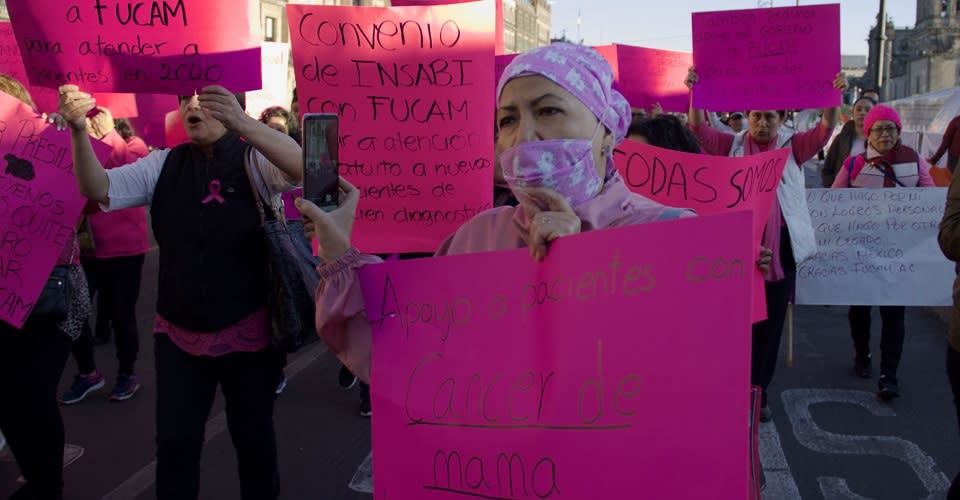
(881, 112)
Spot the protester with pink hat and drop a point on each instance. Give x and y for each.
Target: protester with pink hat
(886, 163)
(558, 121)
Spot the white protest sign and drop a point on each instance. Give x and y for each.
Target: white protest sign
(276, 91)
(876, 247)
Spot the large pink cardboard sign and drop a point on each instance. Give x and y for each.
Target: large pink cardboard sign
(39, 205)
(495, 376)
(498, 5)
(769, 58)
(708, 184)
(165, 47)
(413, 87)
(649, 76)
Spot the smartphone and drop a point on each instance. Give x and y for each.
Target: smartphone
(321, 140)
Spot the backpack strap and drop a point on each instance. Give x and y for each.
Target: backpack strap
(850, 162)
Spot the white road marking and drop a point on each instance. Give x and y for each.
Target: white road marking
(71, 453)
(797, 403)
(362, 481)
(143, 479)
(780, 482)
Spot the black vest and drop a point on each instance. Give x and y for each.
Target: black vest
(213, 257)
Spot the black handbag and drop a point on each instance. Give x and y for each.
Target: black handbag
(53, 304)
(292, 272)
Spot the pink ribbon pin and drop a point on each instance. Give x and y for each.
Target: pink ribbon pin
(214, 189)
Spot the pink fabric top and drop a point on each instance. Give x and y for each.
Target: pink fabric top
(250, 334)
(341, 321)
(843, 176)
(119, 233)
(137, 146)
(804, 146)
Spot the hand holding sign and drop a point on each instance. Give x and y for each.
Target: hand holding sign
(101, 123)
(692, 78)
(550, 217)
(74, 106)
(840, 82)
(331, 230)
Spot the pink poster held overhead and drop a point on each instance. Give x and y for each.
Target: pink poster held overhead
(498, 5)
(168, 47)
(710, 185)
(39, 206)
(494, 384)
(650, 76)
(770, 58)
(413, 87)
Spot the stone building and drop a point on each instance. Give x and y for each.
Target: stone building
(920, 59)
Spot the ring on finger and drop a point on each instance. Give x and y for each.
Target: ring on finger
(546, 219)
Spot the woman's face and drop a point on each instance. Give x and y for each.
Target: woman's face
(763, 125)
(533, 108)
(860, 110)
(883, 136)
(202, 128)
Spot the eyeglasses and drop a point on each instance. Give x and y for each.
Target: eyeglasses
(888, 130)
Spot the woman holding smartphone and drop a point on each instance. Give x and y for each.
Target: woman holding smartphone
(212, 325)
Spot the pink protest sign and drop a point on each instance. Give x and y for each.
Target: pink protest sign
(498, 5)
(770, 58)
(46, 99)
(561, 376)
(500, 65)
(413, 87)
(168, 46)
(150, 124)
(39, 206)
(708, 184)
(650, 76)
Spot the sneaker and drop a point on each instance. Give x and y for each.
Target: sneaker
(888, 388)
(863, 367)
(81, 386)
(281, 385)
(365, 410)
(126, 387)
(346, 378)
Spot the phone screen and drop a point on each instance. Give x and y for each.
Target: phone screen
(320, 159)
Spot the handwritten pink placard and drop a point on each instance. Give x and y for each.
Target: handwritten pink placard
(649, 76)
(559, 379)
(39, 205)
(47, 99)
(769, 58)
(168, 47)
(710, 185)
(416, 113)
(498, 5)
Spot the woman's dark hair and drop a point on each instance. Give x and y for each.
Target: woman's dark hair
(274, 111)
(124, 128)
(666, 131)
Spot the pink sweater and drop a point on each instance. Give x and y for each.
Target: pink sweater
(120, 233)
(341, 319)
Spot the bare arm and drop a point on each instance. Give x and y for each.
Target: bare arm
(279, 148)
(695, 117)
(91, 177)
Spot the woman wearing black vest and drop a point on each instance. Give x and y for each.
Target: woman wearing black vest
(212, 325)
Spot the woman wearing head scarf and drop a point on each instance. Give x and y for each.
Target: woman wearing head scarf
(788, 232)
(886, 163)
(557, 108)
(851, 141)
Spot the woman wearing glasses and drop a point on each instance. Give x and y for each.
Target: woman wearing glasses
(886, 163)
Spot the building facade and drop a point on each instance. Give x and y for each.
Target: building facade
(526, 24)
(920, 59)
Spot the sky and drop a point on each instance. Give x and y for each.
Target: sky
(665, 24)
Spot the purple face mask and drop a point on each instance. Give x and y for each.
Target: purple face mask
(563, 165)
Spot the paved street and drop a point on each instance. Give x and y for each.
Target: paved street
(830, 438)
